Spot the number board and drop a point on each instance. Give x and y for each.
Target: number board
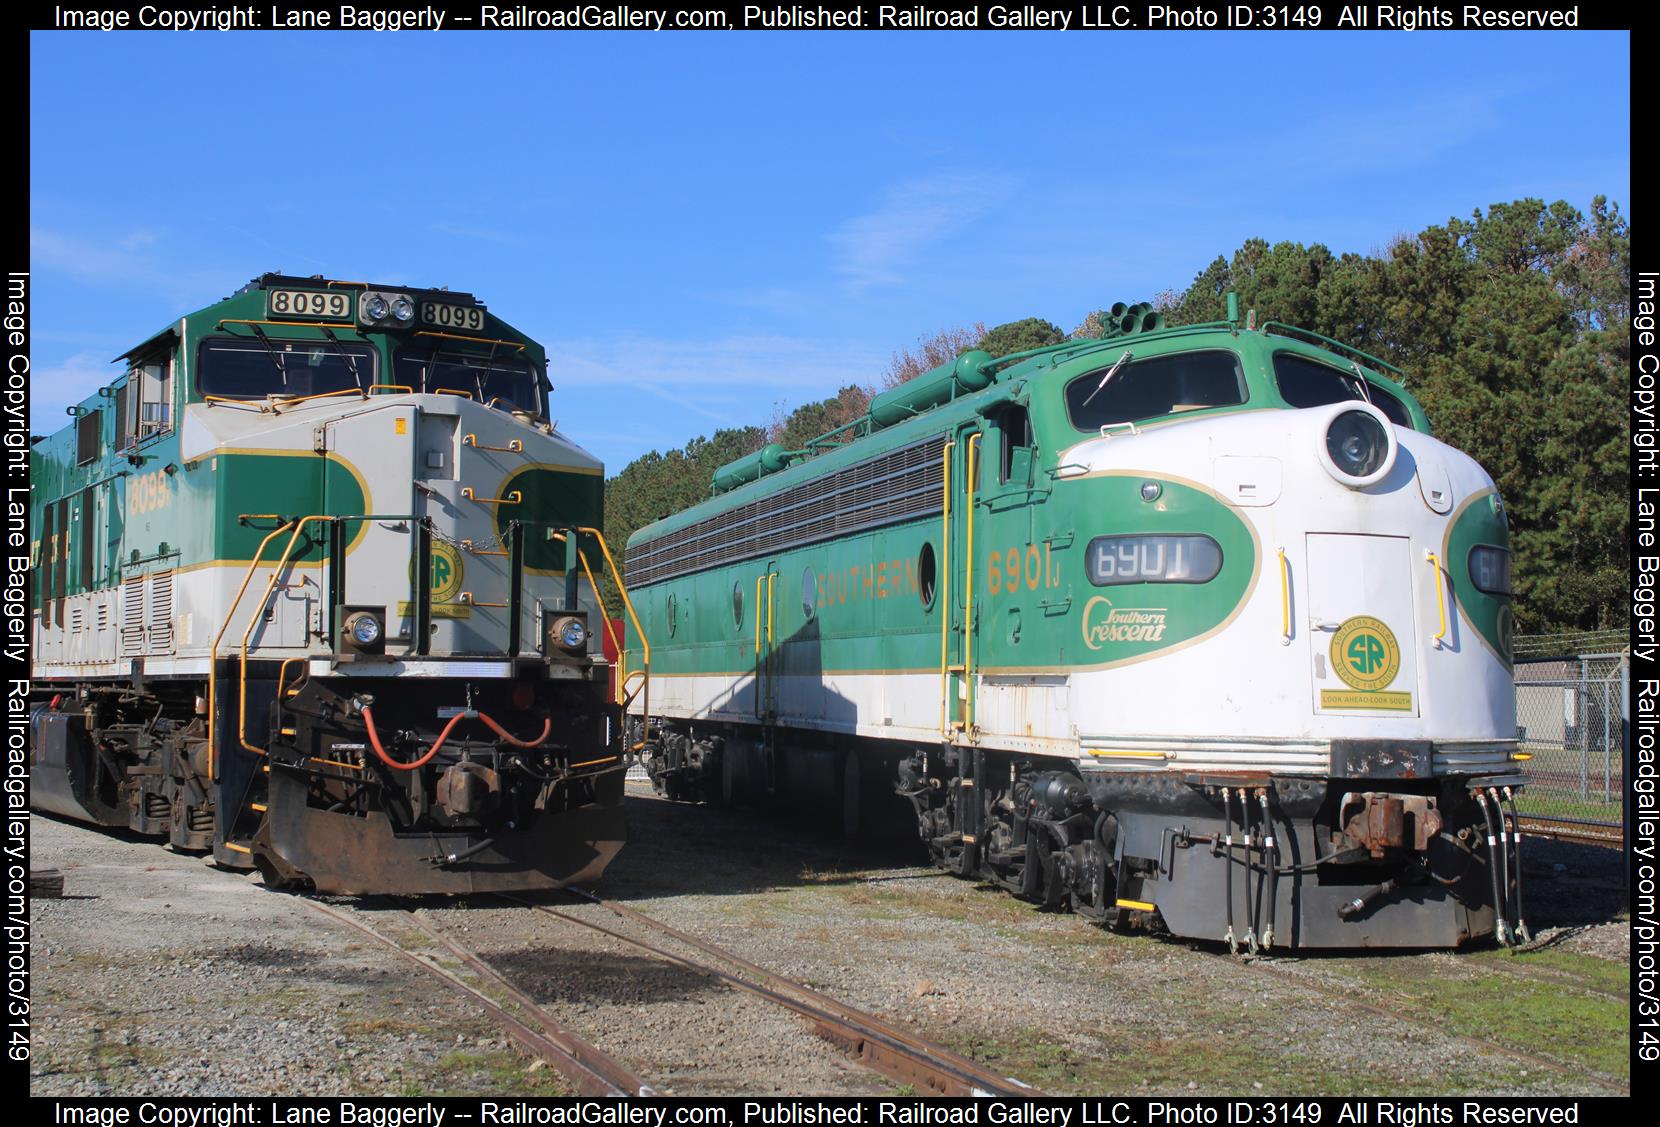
(447, 316)
(333, 305)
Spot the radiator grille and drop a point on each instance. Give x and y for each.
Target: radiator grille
(132, 616)
(159, 636)
(890, 488)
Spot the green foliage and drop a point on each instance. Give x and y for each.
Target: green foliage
(813, 419)
(1018, 336)
(931, 351)
(1512, 328)
(656, 485)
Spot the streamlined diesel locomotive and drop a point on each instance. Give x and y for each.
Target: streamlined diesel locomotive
(1194, 628)
(313, 588)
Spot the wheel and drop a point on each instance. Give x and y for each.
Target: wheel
(852, 798)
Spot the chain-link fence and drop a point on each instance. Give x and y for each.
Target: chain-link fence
(1569, 719)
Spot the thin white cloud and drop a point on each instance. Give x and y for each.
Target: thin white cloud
(135, 259)
(877, 248)
(58, 386)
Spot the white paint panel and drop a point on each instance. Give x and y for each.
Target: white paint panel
(1352, 577)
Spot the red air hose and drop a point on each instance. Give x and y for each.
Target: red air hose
(374, 742)
(547, 726)
(374, 739)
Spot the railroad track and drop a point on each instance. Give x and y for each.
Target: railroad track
(891, 1050)
(590, 1071)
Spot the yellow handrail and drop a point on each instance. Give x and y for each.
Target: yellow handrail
(610, 631)
(213, 650)
(628, 605)
(476, 340)
(452, 391)
(242, 675)
(282, 675)
(276, 404)
(968, 593)
(347, 325)
(1440, 598)
(514, 446)
(512, 498)
(945, 582)
(402, 387)
(1285, 600)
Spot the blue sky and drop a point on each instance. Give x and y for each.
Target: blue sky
(703, 226)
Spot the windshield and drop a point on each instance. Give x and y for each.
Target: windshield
(238, 368)
(1308, 383)
(1159, 385)
(509, 380)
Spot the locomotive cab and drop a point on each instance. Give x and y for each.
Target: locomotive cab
(299, 592)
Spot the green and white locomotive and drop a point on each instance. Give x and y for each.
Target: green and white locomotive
(1196, 628)
(312, 590)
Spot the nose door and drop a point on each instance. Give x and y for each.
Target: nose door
(1363, 625)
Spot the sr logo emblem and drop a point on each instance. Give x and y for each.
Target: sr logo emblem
(447, 572)
(1364, 654)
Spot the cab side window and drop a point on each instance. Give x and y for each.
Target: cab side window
(1016, 447)
(149, 400)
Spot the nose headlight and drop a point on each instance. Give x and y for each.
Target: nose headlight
(1358, 446)
(568, 633)
(385, 309)
(362, 630)
(366, 631)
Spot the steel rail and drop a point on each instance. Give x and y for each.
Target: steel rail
(893, 1051)
(588, 1068)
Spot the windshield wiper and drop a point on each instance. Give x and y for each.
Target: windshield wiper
(1360, 377)
(351, 361)
(282, 372)
(1111, 372)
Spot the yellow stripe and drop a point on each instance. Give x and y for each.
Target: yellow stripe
(1139, 905)
(238, 848)
(258, 807)
(1101, 754)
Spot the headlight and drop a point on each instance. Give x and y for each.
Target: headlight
(383, 309)
(1358, 447)
(362, 630)
(569, 633)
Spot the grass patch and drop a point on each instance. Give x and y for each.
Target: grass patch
(1214, 1064)
(1533, 1016)
(1565, 968)
(494, 1072)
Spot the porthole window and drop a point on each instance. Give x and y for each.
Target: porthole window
(927, 575)
(738, 603)
(809, 594)
(671, 616)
